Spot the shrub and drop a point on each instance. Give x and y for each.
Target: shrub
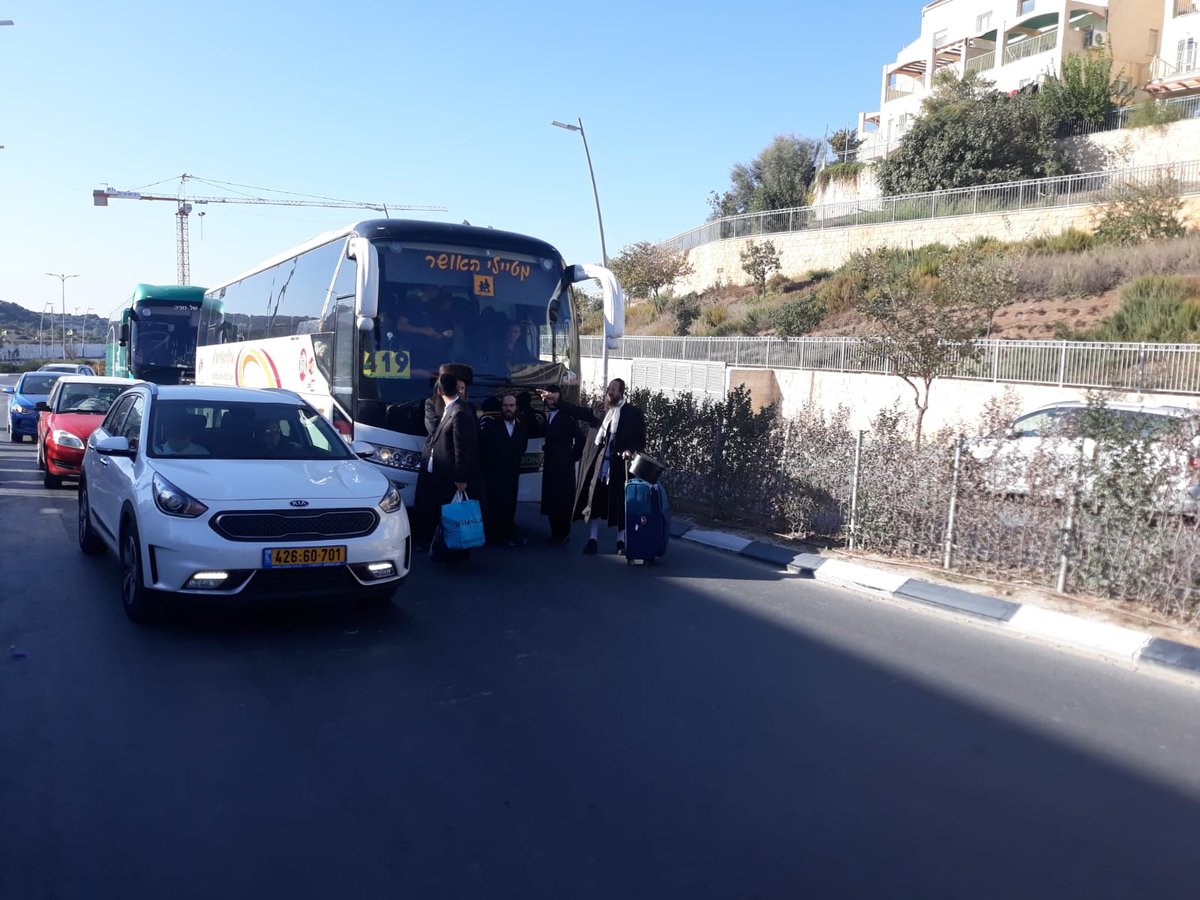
(1073, 240)
(842, 172)
(797, 317)
(1155, 309)
(1155, 115)
(818, 275)
(1142, 211)
(684, 311)
(715, 315)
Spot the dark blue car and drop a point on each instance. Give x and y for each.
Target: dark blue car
(31, 388)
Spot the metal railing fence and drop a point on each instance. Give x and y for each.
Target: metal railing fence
(1042, 193)
(1165, 368)
(1179, 109)
(1031, 47)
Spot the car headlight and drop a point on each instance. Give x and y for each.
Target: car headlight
(18, 408)
(391, 502)
(66, 439)
(175, 502)
(409, 460)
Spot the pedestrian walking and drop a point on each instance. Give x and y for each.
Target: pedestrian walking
(561, 450)
(503, 440)
(450, 462)
(608, 446)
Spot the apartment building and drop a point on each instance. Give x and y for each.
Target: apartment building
(1175, 71)
(1012, 43)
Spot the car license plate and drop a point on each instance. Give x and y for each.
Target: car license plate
(295, 557)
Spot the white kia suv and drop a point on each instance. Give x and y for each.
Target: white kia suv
(236, 492)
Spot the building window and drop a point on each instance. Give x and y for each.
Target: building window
(1024, 7)
(1185, 55)
(983, 23)
(939, 37)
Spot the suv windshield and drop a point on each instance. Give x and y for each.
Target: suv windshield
(88, 398)
(218, 430)
(39, 382)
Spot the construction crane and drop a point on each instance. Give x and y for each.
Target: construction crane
(184, 204)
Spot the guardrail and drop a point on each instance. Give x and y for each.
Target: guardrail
(1165, 368)
(1041, 193)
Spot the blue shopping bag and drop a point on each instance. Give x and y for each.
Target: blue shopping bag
(462, 523)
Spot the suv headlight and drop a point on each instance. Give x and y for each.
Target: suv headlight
(18, 408)
(394, 457)
(174, 502)
(391, 502)
(66, 439)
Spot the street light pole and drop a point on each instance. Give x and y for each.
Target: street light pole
(592, 172)
(42, 318)
(63, 280)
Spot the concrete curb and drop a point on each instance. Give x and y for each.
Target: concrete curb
(1112, 641)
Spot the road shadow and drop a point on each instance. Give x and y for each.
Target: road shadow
(544, 725)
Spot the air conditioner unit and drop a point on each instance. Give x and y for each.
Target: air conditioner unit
(1097, 39)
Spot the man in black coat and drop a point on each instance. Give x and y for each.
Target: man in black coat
(503, 440)
(561, 450)
(450, 462)
(606, 451)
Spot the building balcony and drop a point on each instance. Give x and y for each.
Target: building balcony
(896, 93)
(1171, 78)
(980, 63)
(1186, 8)
(1043, 43)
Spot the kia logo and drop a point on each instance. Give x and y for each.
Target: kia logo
(299, 503)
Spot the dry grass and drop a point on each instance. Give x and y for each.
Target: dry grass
(1101, 269)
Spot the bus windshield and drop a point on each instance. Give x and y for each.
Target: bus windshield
(489, 310)
(166, 335)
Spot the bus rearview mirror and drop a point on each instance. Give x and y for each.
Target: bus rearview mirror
(366, 287)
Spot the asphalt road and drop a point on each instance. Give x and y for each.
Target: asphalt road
(545, 725)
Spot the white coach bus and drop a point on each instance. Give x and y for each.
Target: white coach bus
(359, 320)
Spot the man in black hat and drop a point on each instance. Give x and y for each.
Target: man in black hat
(503, 440)
(561, 449)
(606, 451)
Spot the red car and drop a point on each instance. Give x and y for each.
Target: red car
(76, 405)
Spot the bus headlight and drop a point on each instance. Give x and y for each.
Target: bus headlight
(394, 457)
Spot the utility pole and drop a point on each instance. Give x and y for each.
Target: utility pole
(63, 281)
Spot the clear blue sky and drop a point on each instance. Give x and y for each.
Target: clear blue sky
(420, 103)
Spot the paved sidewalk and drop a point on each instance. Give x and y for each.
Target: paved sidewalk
(1103, 638)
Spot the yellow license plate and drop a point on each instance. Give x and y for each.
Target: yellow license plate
(294, 557)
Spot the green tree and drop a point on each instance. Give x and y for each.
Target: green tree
(644, 268)
(845, 143)
(759, 261)
(1085, 92)
(923, 328)
(969, 134)
(778, 178)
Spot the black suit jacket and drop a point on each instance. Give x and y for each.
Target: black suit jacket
(454, 445)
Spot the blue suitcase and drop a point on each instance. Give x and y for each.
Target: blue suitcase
(647, 521)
